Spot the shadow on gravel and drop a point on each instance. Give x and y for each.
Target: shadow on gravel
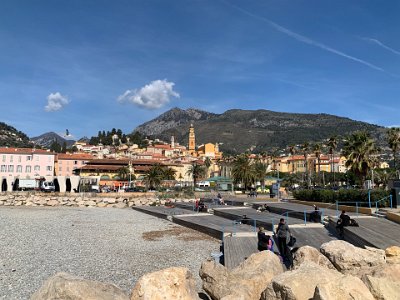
(181, 233)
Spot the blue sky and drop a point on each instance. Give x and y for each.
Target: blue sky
(94, 65)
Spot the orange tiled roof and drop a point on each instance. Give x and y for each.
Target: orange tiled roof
(6, 150)
(74, 156)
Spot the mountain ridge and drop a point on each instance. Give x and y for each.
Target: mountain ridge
(239, 130)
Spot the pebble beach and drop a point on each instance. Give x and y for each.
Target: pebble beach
(110, 245)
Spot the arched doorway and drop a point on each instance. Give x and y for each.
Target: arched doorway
(68, 185)
(4, 185)
(56, 185)
(16, 185)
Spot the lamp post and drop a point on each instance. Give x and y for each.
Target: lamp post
(130, 162)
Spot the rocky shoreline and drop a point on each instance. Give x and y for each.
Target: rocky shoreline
(82, 200)
(338, 270)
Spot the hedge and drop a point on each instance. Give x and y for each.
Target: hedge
(351, 195)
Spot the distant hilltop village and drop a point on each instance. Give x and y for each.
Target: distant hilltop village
(122, 164)
(115, 165)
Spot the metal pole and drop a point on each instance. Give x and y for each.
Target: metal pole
(337, 208)
(369, 198)
(255, 225)
(390, 196)
(305, 217)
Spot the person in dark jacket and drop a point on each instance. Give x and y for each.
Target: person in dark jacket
(264, 240)
(344, 220)
(282, 232)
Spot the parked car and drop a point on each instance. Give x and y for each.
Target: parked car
(47, 186)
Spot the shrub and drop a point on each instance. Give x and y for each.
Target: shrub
(350, 195)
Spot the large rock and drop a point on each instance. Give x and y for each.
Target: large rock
(393, 255)
(346, 288)
(307, 253)
(246, 281)
(171, 283)
(384, 283)
(65, 286)
(53, 202)
(349, 259)
(309, 279)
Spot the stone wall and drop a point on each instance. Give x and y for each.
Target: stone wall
(78, 200)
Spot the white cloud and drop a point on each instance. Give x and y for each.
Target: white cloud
(55, 101)
(154, 95)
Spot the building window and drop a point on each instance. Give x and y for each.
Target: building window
(37, 157)
(60, 169)
(60, 162)
(49, 158)
(19, 169)
(4, 158)
(19, 158)
(27, 169)
(75, 162)
(11, 158)
(37, 168)
(10, 168)
(49, 168)
(28, 158)
(3, 168)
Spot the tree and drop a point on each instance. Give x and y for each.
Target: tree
(207, 164)
(169, 174)
(123, 173)
(332, 145)
(154, 176)
(243, 171)
(317, 151)
(64, 147)
(393, 138)
(260, 171)
(360, 151)
(305, 148)
(55, 146)
(196, 171)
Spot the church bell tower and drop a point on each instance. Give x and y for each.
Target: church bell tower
(192, 139)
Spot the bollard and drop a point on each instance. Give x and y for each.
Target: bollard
(305, 218)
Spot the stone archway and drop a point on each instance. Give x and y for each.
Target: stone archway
(68, 185)
(56, 185)
(16, 185)
(4, 185)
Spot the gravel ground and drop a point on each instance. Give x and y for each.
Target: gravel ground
(110, 245)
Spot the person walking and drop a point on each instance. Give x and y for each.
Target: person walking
(282, 233)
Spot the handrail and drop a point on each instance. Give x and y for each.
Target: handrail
(360, 202)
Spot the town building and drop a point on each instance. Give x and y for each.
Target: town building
(66, 164)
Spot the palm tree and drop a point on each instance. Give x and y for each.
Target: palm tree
(154, 176)
(169, 174)
(393, 138)
(123, 173)
(260, 171)
(207, 164)
(317, 151)
(196, 171)
(243, 171)
(292, 151)
(360, 151)
(332, 145)
(305, 148)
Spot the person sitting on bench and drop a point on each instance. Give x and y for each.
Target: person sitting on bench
(315, 215)
(344, 220)
(245, 219)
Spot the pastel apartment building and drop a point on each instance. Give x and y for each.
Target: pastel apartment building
(26, 163)
(67, 163)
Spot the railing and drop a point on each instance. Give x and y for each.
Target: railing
(357, 203)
